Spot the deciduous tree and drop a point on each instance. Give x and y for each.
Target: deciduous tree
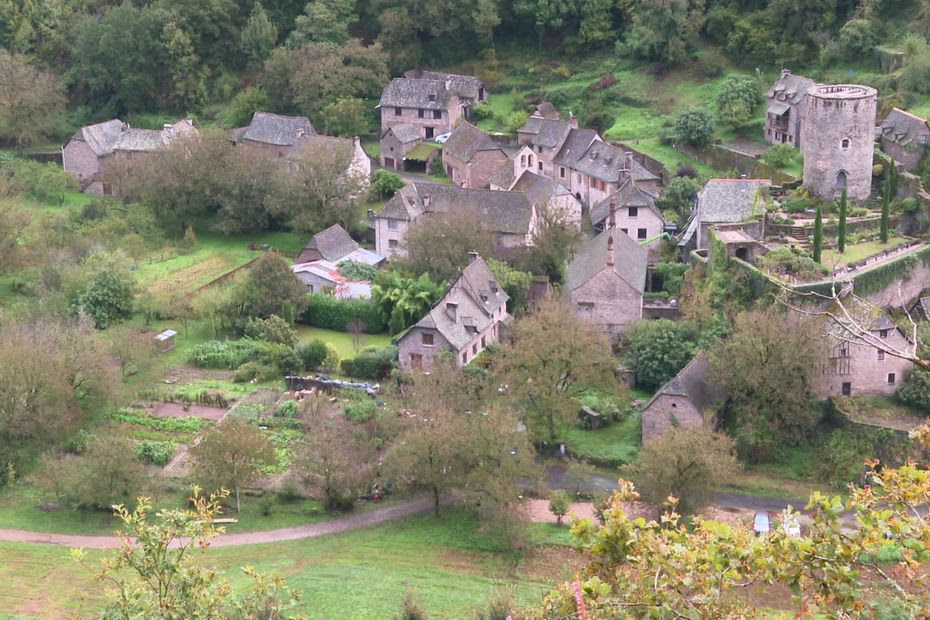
(551, 358)
(231, 456)
(659, 349)
(737, 100)
(30, 100)
(440, 244)
(258, 36)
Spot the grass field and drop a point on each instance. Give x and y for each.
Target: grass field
(214, 255)
(364, 574)
(617, 443)
(341, 341)
(858, 251)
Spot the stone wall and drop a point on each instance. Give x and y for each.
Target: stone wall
(412, 344)
(722, 158)
(615, 303)
(666, 411)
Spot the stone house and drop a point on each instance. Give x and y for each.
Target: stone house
(636, 214)
(855, 368)
(541, 191)
(431, 106)
(359, 165)
(471, 156)
(510, 216)
(784, 107)
(725, 201)
(274, 134)
(509, 170)
(904, 136)
(579, 159)
(464, 322)
(396, 142)
(317, 264)
(93, 148)
(606, 279)
(683, 401)
(469, 89)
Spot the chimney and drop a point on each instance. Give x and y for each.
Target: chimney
(610, 249)
(300, 132)
(448, 83)
(612, 218)
(168, 127)
(472, 257)
(426, 202)
(785, 73)
(573, 120)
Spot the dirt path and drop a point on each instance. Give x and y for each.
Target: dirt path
(335, 526)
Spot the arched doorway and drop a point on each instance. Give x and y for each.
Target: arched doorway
(840, 182)
(742, 254)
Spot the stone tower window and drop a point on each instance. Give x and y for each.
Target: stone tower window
(845, 143)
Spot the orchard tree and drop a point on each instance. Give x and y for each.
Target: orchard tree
(439, 245)
(231, 455)
(265, 288)
(691, 464)
(659, 349)
(158, 570)
(559, 505)
(737, 100)
(107, 299)
(30, 100)
(108, 473)
(674, 567)
(769, 369)
(695, 126)
(550, 360)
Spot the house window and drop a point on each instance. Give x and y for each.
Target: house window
(392, 224)
(539, 149)
(540, 166)
(429, 132)
(883, 333)
(846, 388)
(483, 345)
(561, 172)
(392, 243)
(922, 139)
(397, 111)
(641, 233)
(432, 97)
(881, 355)
(392, 149)
(437, 113)
(427, 339)
(474, 349)
(416, 361)
(465, 357)
(530, 159)
(586, 306)
(633, 211)
(523, 161)
(421, 113)
(891, 378)
(579, 177)
(845, 143)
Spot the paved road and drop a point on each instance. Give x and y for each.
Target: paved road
(334, 526)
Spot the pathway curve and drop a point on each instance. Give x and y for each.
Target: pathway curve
(340, 524)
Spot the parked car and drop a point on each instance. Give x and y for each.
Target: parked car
(760, 524)
(441, 138)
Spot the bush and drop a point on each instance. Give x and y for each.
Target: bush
(695, 126)
(234, 354)
(784, 261)
(357, 271)
(288, 409)
(482, 111)
(796, 204)
(255, 370)
(559, 503)
(329, 312)
(78, 443)
(360, 411)
(157, 453)
(385, 183)
(313, 354)
(107, 300)
(780, 155)
(659, 349)
(371, 364)
(857, 39)
(274, 329)
(915, 391)
(46, 183)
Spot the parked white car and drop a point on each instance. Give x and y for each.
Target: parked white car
(441, 138)
(760, 524)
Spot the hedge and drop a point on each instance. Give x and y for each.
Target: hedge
(330, 312)
(236, 353)
(370, 364)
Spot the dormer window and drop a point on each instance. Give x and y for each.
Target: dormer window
(452, 311)
(883, 333)
(493, 286)
(845, 143)
(432, 97)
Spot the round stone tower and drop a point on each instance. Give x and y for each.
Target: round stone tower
(838, 122)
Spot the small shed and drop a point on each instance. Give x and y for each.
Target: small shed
(165, 340)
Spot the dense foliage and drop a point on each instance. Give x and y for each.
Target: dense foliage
(659, 349)
(331, 312)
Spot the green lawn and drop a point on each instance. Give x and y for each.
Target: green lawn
(364, 574)
(617, 443)
(858, 252)
(214, 255)
(342, 341)
(372, 147)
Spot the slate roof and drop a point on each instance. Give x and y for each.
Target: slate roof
(415, 93)
(503, 175)
(275, 129)
(627, 196)
(790, 88)
(467, 140)
(503, 212)
(465, 86)
(547, 110)
(404, 132)
(101, 137)
(343, 288)
(140, 140)
(476, 296)
(691, 382)
(114, 135)
(538, 189)
(591, 259)
(882, 322)
(904, 128)
(728, 200)
(331, 244)
(597, 159)
(547, 133)
(330, 144)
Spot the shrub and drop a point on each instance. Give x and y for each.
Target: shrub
(358, 271)
(288, 409)
(695, 126)
(329, 312)
(108, 299)
(857, 38)
(274, 329)
(78, 443)
(313, 354)
(559, 503)
(785, 261)
(233, 354)
(385, 183)
(482, 111)
(157, 453)
(255, 370)
(796, 204)
(780, 155)
(360, 411)
(915, 391)
(371, 364)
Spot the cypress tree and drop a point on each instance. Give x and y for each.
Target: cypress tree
(841, 228)
(818, 234)
(886, 207)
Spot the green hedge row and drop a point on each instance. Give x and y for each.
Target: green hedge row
(371, 363)
(329, 312)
